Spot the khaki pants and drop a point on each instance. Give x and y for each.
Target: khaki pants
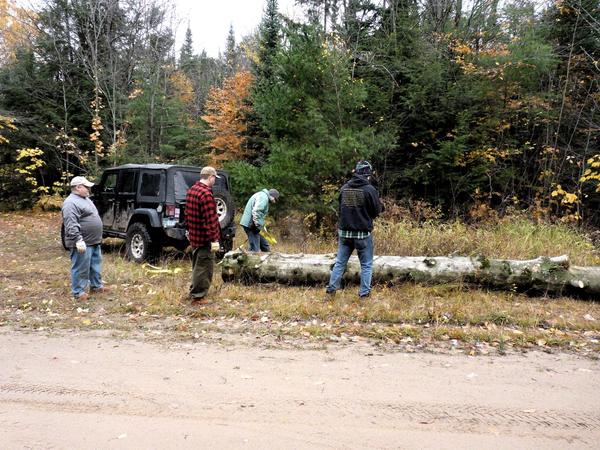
(203, 261)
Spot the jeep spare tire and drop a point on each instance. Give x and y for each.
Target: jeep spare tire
(225, 208)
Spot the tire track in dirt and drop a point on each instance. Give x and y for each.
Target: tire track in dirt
(482, 415)
(59, 398)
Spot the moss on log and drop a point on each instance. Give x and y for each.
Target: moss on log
(553, 275)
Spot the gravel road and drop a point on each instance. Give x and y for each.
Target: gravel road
(91, 390)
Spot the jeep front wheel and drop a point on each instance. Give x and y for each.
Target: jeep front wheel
(139, 245)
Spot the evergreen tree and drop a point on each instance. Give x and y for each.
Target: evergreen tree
(186, 55)
(269, 42)
(309, 113)
(231, 54)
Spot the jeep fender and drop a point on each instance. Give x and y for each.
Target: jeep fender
(145, 214)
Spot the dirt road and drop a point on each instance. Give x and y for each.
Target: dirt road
(93, 391)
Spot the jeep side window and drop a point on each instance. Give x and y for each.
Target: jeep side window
(183, 181)
(150, 184)
(127, 182)
(110, 183)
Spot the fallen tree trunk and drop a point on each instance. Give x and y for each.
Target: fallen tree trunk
(548, 275)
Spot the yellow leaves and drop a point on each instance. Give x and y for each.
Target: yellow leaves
(135, 93)
(184, 90)
(489, 154)
(31, 161)
(16, 28)
(463, 49)
(592, 173)
(6, 123)
(569, 203)
(567, 197)
(30, 153)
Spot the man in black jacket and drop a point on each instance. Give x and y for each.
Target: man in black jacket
(359, 205)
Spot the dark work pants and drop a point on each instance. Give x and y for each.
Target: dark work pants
(203, 261)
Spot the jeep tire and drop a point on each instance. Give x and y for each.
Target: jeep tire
(139, 245)
(63, 240)
(225, 209)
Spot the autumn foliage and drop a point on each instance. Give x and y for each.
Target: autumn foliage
(226, 109)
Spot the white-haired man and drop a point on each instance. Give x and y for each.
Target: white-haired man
(83, 236)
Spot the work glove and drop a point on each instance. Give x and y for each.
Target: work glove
(214, 247)
(80, 246)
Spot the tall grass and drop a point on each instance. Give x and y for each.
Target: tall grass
(509, 238)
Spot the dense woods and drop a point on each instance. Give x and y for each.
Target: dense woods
(476, 108)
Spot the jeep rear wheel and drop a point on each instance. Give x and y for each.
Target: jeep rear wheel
(139, 245)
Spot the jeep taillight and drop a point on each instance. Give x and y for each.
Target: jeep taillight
(170, 210)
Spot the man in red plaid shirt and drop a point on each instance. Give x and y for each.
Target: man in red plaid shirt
(204, 232)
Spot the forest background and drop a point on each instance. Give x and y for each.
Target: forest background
(467, 110)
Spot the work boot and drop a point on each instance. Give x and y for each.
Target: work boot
(329, 295)
(200, 301)
(100, 290)
(82, 297)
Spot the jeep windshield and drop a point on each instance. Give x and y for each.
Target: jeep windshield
(184, 179)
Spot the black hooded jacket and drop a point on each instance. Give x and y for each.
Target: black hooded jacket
(359, 204)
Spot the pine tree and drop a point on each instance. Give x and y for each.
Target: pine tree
(186, 55)
(231, 56)
(269, 42)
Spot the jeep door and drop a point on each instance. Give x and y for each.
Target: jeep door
(125, 199)
(104, 199)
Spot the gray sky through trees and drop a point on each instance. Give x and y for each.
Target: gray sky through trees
(209, 20)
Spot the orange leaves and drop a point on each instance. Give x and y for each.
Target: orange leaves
(226, 108)
(96, 124)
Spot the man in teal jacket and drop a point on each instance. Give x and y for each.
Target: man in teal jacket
(253, 219)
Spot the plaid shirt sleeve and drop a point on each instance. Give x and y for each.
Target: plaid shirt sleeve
(201, 216)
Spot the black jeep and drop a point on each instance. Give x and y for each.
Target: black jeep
(144, 204)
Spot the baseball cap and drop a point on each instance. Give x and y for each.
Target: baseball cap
(363, 168)
(76, 181)
(207, 170)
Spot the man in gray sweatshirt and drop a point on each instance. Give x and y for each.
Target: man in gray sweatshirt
(83, 236)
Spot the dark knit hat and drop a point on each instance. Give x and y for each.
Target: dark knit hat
(363, 168)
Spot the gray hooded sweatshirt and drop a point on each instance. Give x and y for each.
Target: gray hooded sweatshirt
(81, 220)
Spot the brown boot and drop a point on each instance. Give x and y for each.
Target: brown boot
(100, 290)
(82, 297)
(200, 301)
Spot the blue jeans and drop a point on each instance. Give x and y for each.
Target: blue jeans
(85, 269)
(364, 248)
(255, 241)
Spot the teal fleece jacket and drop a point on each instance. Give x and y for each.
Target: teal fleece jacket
(256, 210)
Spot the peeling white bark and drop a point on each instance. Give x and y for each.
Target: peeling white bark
(551, 275)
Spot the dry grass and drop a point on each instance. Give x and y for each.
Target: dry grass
(34, 293)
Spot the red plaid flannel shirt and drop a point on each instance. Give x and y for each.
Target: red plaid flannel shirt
(201, 216)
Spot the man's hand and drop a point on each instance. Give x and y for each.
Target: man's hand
(214, 247)
(80, 246)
